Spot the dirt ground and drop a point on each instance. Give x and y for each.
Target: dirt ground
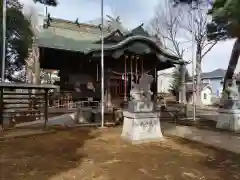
(93, 154)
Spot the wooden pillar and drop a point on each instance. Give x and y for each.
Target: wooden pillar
(137, 58)
(155, 82)
(50, 76)
(108, 92)
(117, 87)
(120, 86)
(182, 91)
(125, 78)
(131, 70)
(1, 109)
(46, 108)
(97, 73)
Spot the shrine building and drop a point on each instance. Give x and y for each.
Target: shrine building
(75, 50)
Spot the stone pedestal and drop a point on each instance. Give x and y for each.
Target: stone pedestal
(83, 115)
(141, 127)
(229, 119)
(140, 106)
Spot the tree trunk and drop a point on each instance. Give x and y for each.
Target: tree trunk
(198, 75)
(232, 62)
(182, 92)
(35, 54)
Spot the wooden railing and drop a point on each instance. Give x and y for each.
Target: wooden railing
(23, 103)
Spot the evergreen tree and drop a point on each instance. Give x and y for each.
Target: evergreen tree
(225, 24)
(18, 37)
(177, 2)
(176, 82)
(47, 2)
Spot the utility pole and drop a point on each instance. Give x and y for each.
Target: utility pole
(102, 69)
(193, 66)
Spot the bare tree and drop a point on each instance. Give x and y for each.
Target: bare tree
(177, 25)
(195, 24)
(166, 26)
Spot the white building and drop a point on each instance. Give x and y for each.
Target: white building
(164, 81)
(206, 93)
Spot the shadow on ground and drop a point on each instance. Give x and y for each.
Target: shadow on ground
(89, 154)
(225, 164)
(42, 157)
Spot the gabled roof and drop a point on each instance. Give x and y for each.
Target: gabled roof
(118, 34)
(140, 31)
(217, 73)
(113, 37)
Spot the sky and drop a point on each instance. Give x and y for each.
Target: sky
(132, 14)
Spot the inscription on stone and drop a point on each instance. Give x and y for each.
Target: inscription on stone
(148, 126)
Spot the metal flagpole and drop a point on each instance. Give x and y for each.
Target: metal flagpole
(102, 69)
(193, 68)
(4, 38)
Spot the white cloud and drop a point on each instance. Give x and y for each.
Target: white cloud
(132, 12)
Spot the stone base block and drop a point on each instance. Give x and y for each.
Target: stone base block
(83, 115)
(140, 106)
(229, 119)
(141, 127)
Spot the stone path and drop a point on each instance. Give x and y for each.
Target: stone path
(62, 120)
(222, 140)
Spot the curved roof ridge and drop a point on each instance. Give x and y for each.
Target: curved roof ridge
(150, 40)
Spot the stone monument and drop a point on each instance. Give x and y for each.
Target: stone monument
(140, 122)
(229, 112)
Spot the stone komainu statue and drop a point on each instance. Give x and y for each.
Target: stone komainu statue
(142, 90)
(230, 98)
(141, 95)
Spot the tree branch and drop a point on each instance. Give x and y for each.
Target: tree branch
(209, 49)
(167, 25)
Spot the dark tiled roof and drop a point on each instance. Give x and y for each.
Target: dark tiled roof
(68, 37)
(220, 73)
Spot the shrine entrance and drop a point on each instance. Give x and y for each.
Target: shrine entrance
(116, 83)
(120, 85)
(120, 79)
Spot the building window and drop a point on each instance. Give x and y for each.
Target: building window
(205, 96)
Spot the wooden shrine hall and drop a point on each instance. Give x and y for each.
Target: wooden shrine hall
(75, 49)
